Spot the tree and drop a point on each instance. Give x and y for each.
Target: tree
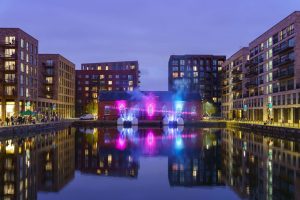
(92, 108)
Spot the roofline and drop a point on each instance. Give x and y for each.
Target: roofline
(56, 54)
(197, 55)
(269, 29)
(21, 30)
(111, 62)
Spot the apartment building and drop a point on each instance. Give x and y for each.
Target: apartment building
(18, 77)
(233, 85)
(196, 74)
(106, 76)
(272, 75)
(56, 92)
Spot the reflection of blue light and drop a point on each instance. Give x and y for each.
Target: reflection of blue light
(178, 143)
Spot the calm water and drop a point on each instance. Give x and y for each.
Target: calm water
(94, 163)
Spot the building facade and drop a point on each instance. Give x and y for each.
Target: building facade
(108, 76)
(272, 74)
(18, 77)
(56, 92)
(148, 105)
(197, 74)
(233, 85)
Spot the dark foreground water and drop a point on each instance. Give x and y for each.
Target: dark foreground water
(148, 164)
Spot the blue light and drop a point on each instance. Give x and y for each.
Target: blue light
(178, 143)
(179, 106)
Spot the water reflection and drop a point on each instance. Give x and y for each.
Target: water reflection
(39, 163)
(251, 165)
(259, 167)
(192, 155)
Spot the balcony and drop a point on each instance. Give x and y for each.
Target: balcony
(251, 84)
(251, 63)
(236, 71)
(284, 47)
(245, 95)
(8, 56)
(237, 88)
(10, 81)
(9, 44)
(236, 80)
(280, 63)
(280, 75)
(251, 73)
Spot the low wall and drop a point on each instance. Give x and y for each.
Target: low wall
(33, 128)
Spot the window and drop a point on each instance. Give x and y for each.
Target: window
(22, 43)
(49, 80)
(182, 62)
(130, 83)
(99, 68)
(195, 68)
(106, 68)
(10, 90)
(110, 82)
(22, 67)
(102, 76)
(10, 65)
(175, 74)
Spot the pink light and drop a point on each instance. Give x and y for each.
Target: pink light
(150, 110)
(121, 143)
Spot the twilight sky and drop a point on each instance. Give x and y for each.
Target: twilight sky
(145, 30)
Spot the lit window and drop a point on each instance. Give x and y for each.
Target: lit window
(49, 80)
(195, 68)
(106, 68)
(175, 74)
(86, 88)
(130, 83)
(181, 74)
(109, 88)
(99, 68)
(109, 82)
(102, 77)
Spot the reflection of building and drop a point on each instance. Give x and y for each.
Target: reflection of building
(200, 166)
(151, 105)
(108, 76)
(56, 160)
(259, 167)
(105, 154)
(37, 163)
(56, 85)
(17, 167)
(18, 77)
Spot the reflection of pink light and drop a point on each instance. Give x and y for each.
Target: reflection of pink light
(150, 110)
(121, 143)
(150, 139)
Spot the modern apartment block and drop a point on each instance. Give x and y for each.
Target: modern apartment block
(197, 74)
(18, 77)
(233, 84)
(106, 76)
(56, 85)
(272, 87)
